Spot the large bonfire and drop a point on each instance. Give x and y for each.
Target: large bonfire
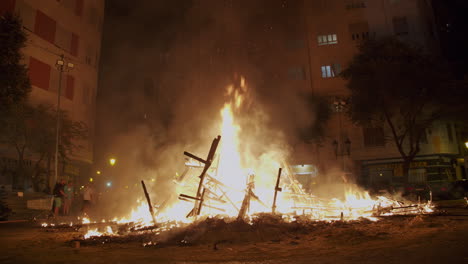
(239, 187)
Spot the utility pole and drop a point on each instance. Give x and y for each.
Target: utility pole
(60, 64)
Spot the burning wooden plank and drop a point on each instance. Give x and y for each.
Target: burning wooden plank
(277, 189)
(150, 207)
(199, 197)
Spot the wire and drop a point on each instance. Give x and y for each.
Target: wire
(31, 42)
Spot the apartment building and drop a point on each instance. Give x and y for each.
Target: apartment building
(72, 29)
(336, 27)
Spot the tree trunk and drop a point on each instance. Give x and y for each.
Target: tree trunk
(19, 180)
(50, 185)
(37, 174)
(406, 167)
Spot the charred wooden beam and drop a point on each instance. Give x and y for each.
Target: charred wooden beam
(277, 189)
(189, 197)
(184, 199)
(209, 160)
(188, 154)
(212, 179)
(150, 207)
(214, 207)
(182, 176)
(246, 202)
(199, 201)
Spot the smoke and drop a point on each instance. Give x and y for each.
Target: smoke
(164, 70)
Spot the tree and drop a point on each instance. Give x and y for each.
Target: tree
(14, 80)
(320, 106)
(31, 130)
(397, 84)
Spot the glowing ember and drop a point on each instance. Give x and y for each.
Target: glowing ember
(92, 233)
(96, 233)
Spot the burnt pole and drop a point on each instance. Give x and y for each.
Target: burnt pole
(62, 66)
(207, 164)
(277, 189)
(149, 202)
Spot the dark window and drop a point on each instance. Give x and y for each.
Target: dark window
(449, 133)
(7, 6)
(418, 175)
(294, 44)
(45, 27)
(400, 26)
(74, 44)
(39, 73)
(79, 7)
(296, 73)
(69, 92)
(353, 4)
(359, 30)
(336, 67)
(423, 137)
(374, 137)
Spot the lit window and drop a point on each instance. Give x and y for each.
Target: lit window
(329, 71)
(374, 137)
(327, 39)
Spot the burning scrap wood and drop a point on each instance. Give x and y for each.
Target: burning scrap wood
(207, 164)
(249, 195)
(277, 189)
(386, 207)
(150, 207)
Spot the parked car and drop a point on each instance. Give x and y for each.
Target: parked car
(459, 189)
(443, 190)
(415, 191)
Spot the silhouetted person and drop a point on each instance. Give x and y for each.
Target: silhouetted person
(59, 195)
(68, 190)
(88, 198)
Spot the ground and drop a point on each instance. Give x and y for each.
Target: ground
(441, 238)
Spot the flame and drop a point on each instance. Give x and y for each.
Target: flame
(230, 171)
(92, 233)
(244, 173)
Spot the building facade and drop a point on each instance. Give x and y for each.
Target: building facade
(72, 29)
(335, 29)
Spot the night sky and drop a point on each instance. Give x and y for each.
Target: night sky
(165, 66)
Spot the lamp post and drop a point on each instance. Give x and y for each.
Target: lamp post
(61, 66)
(342, 146)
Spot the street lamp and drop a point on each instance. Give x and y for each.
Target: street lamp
(62, 66)
(339, 104)
(341, 146)
(343, 149)
(112, 161)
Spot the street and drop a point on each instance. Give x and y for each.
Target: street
(420, 239)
